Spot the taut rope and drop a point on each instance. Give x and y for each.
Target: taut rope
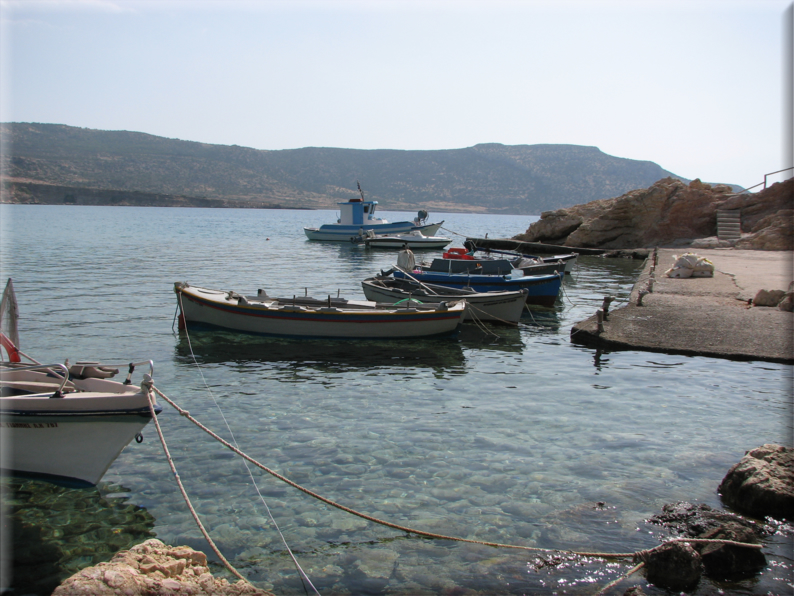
(600, 555)
(201, 527)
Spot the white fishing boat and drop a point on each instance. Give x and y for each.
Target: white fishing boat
(357, 216)
(414, 240)
(496, 307)
(65, 423)
(313, 318)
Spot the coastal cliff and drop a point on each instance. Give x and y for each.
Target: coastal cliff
(671, 213)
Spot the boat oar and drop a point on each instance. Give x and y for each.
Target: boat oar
(411, 277)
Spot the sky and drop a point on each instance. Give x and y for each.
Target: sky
(700, 87)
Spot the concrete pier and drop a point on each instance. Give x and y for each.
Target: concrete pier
(705, 316)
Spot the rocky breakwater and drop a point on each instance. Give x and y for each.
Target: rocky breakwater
(153, 568)
(672, 213)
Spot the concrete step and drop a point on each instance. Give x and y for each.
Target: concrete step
(729, 224)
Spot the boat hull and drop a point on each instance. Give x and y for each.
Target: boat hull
(491, 267)
(348, 233)
(496, 307)
(396, 242)
(71, 440)
(212, 308)
(543, 290)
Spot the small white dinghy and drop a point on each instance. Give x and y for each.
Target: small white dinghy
(413, 240)
(64, 423)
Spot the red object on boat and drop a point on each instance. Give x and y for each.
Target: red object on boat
(458, 253)
(11, 349)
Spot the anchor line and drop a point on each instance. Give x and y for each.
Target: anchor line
(600, 555)
(190, 507)
(304, 577)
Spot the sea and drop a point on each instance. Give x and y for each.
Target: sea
(510, 435)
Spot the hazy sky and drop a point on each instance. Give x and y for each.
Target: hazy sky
(697, 86)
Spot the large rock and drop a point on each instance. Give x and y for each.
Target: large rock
(773, 232)
(675, 566)
(762, 483)
(154, 569)
(670, 213)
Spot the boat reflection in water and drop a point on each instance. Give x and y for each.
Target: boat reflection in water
(324, 355)
(491, 338)
(56, 531)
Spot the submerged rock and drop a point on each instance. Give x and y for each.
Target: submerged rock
(675, 566)
(153, 568)
(762, 483)
(720, 561)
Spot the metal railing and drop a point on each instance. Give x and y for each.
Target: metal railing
(765, 179)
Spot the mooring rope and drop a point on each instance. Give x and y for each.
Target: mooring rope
(301, 572)
(451, 232)
(600, 555)
(614, 583)
(479, 323)
(190, 507)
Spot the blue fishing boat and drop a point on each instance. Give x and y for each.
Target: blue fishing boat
(520, 261)
(357, 216)
(542, 290)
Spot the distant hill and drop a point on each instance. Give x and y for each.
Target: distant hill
(53, 163)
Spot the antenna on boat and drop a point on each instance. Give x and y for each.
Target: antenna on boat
(359, 190)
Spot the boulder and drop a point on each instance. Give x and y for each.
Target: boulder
(694, 521)
(720, 561)
(768, 297)
(153, 568)
(727, 561)
(787, 303)
(671, 212)
(674, 566)
(762, 483)
(774, 232)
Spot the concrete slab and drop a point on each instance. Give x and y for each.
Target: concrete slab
(702, 316)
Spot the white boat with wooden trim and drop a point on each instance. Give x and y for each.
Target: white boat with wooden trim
(64, 423)
(314, 318)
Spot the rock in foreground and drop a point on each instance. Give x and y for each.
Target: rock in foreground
(719, 561)
(762, 483)
(153, 568)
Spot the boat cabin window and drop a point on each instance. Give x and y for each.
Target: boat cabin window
(366, 208)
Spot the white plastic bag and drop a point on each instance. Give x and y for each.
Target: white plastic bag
(704, 264)
(679, 272)
(688, 260)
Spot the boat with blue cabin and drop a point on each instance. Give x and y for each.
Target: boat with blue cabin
(543, 289)
(522, 261)
(357, 216)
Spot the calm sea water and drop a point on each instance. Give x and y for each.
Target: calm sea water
(504, 435)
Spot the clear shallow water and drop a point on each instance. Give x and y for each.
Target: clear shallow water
(511, 438)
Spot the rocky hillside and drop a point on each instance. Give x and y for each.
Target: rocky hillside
(672, 213)
(492, 178)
